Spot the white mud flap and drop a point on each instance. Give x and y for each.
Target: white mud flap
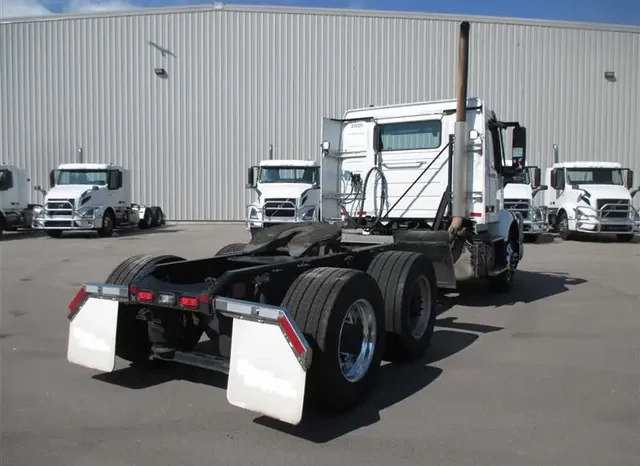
(269, 360)
(92, 335)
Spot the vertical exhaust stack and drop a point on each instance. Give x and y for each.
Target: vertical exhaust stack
(459, 188)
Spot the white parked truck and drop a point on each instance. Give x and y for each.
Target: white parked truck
(288, 192)
(301, 314)
(519, 196)
(93, 196)
(16, 212)
(592, 197)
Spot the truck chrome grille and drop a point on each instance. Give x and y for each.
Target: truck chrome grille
(60, 207)
(280, 208)
(518, 205)
(613, 208)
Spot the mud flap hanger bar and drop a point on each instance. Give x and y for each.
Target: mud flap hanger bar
(232, 308)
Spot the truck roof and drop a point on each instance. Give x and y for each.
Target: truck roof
(587, 164)
(436, 107)
(288, 163)
(88, 166)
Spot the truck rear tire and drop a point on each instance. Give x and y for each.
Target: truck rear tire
(231, 248)
(330, 305)
(410, 290)
(132, 342)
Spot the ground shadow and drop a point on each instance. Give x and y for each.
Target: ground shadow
(528, 287)
(20, 234)
(131, 233)
(600, 238)
(397, 382)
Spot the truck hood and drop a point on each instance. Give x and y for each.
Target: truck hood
(282, 190)
(601, 191)
(67, 191)
(517, 191)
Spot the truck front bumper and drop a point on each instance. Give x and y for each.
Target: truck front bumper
(256, 217)
(594, 221)
(536, 221)
(67, 222)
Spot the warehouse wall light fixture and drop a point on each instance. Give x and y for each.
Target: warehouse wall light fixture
(610, 76)
(161, 73)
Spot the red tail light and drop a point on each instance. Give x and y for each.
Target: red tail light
(145, 296)
(292, 336)
(77, 300)
(190, 302)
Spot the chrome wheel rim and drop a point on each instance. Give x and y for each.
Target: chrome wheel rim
(357, 340)
(420, 312)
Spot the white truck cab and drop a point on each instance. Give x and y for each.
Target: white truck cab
(15, 211)
(92, 196)
(518, 196)
(591, 197)
(288, 192)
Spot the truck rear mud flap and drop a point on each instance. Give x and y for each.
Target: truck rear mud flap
(269, 360)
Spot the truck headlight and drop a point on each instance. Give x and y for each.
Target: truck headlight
(38, 212)
(253, 213)
(86, 212)
(308, 214)
(537, 215)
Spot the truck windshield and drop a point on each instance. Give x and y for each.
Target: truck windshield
(520, 178)
(4, 179)
(611, 176)
(90, 177)
(287, 175)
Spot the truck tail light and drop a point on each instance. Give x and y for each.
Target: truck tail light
(145, 296)
(190, 302)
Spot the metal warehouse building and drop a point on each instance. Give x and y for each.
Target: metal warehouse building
(240, 78)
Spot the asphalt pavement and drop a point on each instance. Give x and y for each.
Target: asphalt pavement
(547, 375)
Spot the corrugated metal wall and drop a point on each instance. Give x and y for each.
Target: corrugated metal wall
(239, 79)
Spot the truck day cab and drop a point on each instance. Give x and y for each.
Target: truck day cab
(591, 197)
(15, 212)
(302, 314)
(519, 196)
(288, 192)
(92, 197)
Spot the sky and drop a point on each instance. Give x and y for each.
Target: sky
(598, 11)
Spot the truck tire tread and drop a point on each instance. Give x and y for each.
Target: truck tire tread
(395, 272)
(314, 300)
(231, 248)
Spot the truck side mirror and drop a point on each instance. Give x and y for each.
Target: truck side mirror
(557, 179)
(115, 179)
(519, 147)
(52, 178)
(251, 177)
(629, 179)
(535, 177)
(377, 139)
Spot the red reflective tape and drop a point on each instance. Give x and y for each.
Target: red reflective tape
(133, 290)
(204, 298)
(476, 214)
(189, 301)
(77, 300)
(289, 331)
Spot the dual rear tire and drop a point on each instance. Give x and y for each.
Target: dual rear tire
(354, 319)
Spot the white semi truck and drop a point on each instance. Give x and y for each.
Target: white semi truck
(92, 197)
(592, 197)
(288, 192)
(16, 213)
(304, 315)
(519, 196)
